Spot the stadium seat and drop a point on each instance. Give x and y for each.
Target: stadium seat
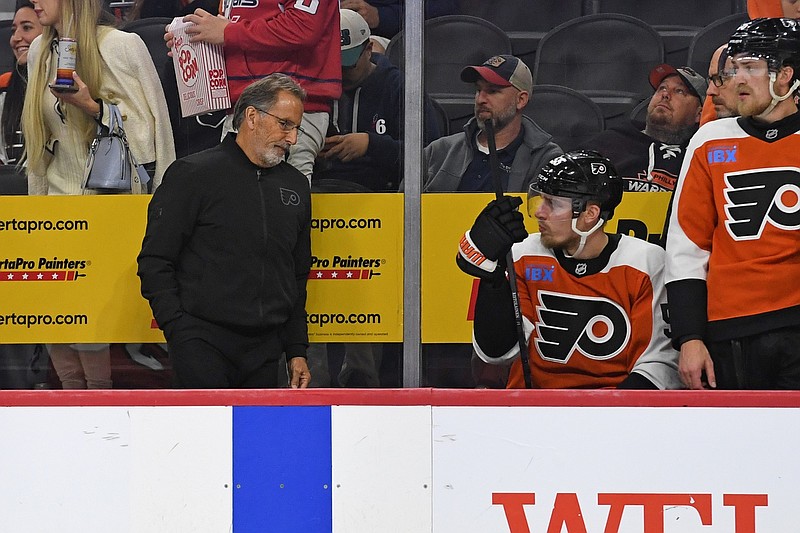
(441, 118)
(672, 13)
(12, 181)
(677, 21)
(451, 43)
(459, 109)
(569, 116)
(151, 30)
(639, 114)
(525, 23)
(607, 57)
(710, 38)
(7, 60)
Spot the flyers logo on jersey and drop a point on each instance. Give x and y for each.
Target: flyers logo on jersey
(595, 327)
(759, 197)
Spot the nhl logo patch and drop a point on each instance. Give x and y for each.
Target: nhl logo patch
(771, 134)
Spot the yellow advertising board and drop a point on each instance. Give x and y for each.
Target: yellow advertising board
(68, 266)
(448, 294)
(68, 269)
(355, 289)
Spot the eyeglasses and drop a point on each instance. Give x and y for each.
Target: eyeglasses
(719, 79)
(286, 125)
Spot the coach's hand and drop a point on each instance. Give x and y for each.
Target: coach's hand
(299, 375)
(495, 230)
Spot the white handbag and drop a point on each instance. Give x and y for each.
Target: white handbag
(111, 166)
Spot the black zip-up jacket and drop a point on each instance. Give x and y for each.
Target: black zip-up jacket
(230, 242)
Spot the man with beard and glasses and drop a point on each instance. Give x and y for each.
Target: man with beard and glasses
(460, 162)
(591, 301)
(649, 160)
(227, 250)
(734, 235)
(721, 93)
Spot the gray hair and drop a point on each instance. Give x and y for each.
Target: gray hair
(263, 94)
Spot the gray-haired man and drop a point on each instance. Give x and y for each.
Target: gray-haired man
(227, 250)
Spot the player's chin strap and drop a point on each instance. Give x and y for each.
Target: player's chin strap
(584, 235)
(775, 98)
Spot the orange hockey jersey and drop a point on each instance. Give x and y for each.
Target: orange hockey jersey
(591, 323)
(735, 226)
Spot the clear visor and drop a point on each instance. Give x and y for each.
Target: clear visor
(543, 205)
(750, 65)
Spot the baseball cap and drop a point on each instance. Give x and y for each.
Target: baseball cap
(503, 70)
(355, 32)
(696, 83)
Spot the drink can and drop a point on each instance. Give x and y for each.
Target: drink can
(67, 56)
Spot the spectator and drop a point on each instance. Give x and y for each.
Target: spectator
(591, 301)
(460, 162)
(300, 39)
(650, 160)
(24, 29)
(113, 67)
(22, 366)
(733, 238)
(721, 94)
(229, 295)
(365, 146)
(385, 17)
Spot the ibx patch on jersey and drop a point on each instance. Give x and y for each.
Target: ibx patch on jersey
(721, 154)
(539, 273)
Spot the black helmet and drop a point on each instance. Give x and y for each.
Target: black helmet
(775, 39)
(582, 175)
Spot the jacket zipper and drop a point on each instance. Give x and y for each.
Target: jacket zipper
(264, 229)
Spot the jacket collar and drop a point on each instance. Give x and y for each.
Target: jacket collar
(534, 137)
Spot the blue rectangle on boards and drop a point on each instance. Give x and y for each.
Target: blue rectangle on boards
(282, 470)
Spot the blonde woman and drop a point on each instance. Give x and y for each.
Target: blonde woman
(112, 67)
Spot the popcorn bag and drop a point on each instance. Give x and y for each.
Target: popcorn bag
(200, 71)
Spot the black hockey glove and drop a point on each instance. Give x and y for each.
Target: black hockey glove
(495, 230)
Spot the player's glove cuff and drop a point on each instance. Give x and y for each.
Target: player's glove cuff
(470, 253)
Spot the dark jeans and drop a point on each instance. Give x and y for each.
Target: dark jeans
(208, 356)
(767, 361)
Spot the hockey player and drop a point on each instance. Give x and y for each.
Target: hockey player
(591, 302)
(732, 246)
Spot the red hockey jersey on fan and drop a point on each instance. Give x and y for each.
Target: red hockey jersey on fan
(736, 226)
(591, 323)
(299, 38)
